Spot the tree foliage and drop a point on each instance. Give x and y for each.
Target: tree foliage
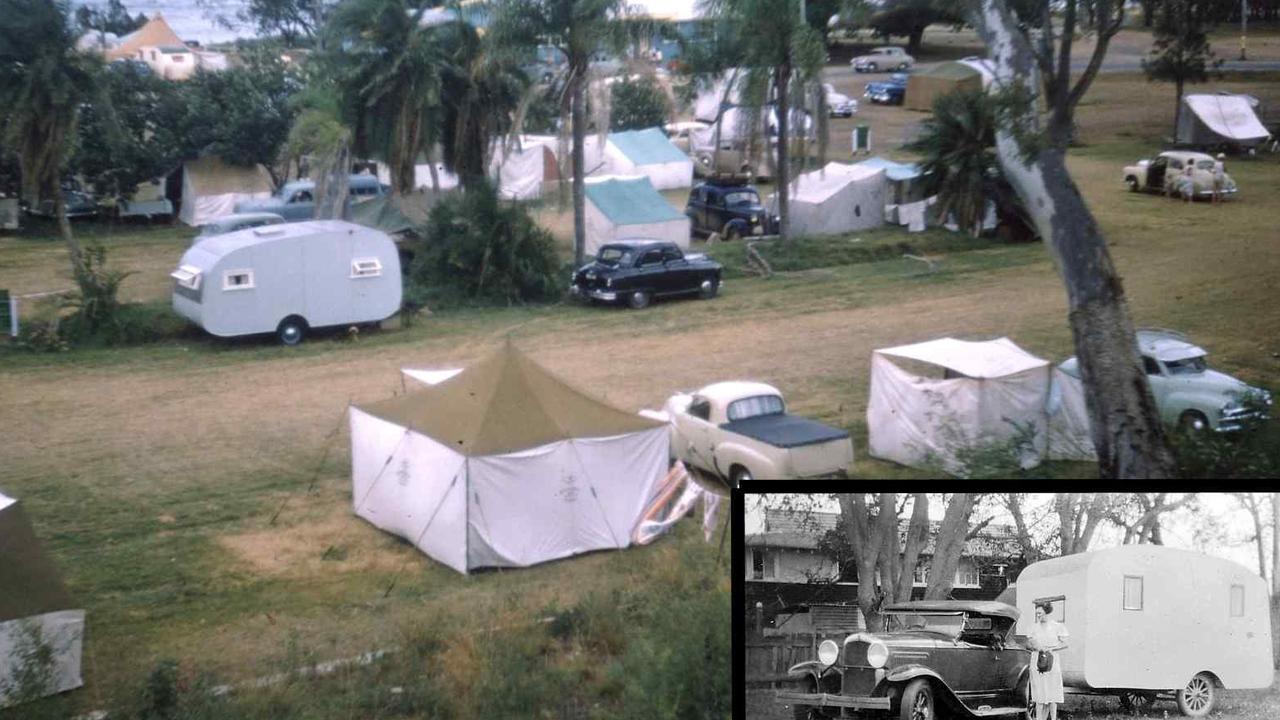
(1180, 52)
(113, 18)
(637, 104)
(960, 163)
(296, 22)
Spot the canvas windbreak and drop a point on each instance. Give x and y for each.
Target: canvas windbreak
(1211, 119)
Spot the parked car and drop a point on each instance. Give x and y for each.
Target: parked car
(1167, 169)
(637, 271)
(76, 204)
(1188, 394)
(732, 209)
(234, 222)
(741, 431)
(296, 200)
(883, 58)
(888, 92)
(682, 134)
(839, 104)
(926, 658)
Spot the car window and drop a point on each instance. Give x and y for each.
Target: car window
(1150, 365)
(614, 256)
(671, 254)
(700, 408)
(1204, 164)
(949, 624)
(741, 197)
(1189, 366)
(651, 257)
(755, 406)
(1175, 164)
(301, 196)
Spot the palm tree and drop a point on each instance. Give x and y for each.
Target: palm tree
(960, 163)
(44, 80)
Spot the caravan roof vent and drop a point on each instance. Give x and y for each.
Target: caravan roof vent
(268, 230)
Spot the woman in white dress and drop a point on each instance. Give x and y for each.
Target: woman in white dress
(1046, 687)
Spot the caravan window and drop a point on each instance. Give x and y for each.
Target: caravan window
(1237, 601)
(188, 276)
(237, 280)
(366, 267)
(1132, 592)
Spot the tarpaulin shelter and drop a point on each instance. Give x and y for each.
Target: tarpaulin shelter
(504, 465)
(916, 420)
(1218, 119)
(650, 153)
(926, 86)
(836, 199)
(36, 611)
(629, 207)
(211, 188)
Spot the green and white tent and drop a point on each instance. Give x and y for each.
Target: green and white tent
(36, 613)
(619, 208)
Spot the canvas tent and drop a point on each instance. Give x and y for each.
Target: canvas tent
(421, 176)
(1069, 427)
(650, 153)
(35, 608)
(628, 207)
(835, 199)
(1219, 119)
(916, 420)
(504, 465)
(902, 180)
(924, 87)
(211, 188)
(521, 172)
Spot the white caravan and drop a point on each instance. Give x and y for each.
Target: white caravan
(288, 278)
(1148, 622)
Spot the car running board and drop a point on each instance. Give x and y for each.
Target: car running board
(987, 711)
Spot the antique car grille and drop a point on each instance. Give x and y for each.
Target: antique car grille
(858, 681)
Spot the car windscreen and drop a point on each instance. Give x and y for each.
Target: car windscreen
(755, 406)
(1204, 165)
(614, 256)
(1187, 366)
(948, 624)
(741, 197)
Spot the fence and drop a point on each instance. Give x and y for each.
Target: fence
(768, 658)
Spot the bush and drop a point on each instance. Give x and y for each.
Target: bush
(480, 250)
(1251, 453)
(637, 104)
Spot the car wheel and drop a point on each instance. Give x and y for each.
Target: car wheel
(292, 330)
(708, 289)
(807, 712)
(1132, 182)
(737, 474)
(902, 66)
(638, 300)
(1196, 699)
(731, 233)
(872, 67)
(1135, 702)
(1192, 422)
(917, 701)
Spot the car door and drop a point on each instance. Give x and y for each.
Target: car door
(696, 429)
(693, 209)
(680, 276)
(1159, 385)
(649, 275)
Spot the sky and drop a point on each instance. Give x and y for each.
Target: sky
(1230, 538)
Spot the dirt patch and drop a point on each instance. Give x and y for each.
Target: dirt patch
(332, 541)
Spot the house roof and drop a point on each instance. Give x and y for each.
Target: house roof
(630, 201)
(647, 147)
(803, 531)
(155, 33)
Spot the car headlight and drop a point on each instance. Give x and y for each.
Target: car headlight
(754, 219)
(608, 282)
(877, 654)
(828, 651)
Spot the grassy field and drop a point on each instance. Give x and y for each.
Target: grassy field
(153, 472)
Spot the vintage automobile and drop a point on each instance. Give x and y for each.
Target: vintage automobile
(732, 209)
(839, 104)
(741, 431)
(637, 271)
(883, 58)
(76, 204)
(887, 92)
(1162, 174)
(296, 200)
(231, 223)
(928, 659)
(1188, 394)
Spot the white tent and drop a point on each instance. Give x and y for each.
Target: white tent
(1220, 118)
(919, 421)
(650, 153)
(836, 199)
(629, 207)
(520, 172)
(211, 188)
(421, 176)
(504, 465)
(1069, 435)
(36, 611)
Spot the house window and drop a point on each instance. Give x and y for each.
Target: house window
(967, 575)
(921, 575)
(758, 565)
(366, 267)
(1132, 592)
(1237, 601)
(237, 280)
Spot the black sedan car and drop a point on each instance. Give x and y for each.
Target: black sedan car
(637, 271)
(732, 209)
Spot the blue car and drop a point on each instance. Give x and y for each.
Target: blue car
(296, 200)
(888, 92)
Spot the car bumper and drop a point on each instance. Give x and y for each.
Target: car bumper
(828, 700)
(602, 295)
(1240, 421)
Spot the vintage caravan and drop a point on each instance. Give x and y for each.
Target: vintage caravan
(288, 278)
(1148, 622)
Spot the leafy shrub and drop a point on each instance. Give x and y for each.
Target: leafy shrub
(637, 104)
(1254, 452)
(95, 301)
(480, 250)
(42, 335)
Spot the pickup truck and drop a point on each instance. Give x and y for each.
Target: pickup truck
(741, 430)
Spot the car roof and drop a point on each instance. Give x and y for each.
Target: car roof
(1186, 155)
(986, 607)
(636, 242)
(730, 390)
(1167, 345)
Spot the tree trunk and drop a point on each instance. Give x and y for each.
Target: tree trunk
(866, 538)
(1148, 12)
(73, 245)
(435, 177)
(1126, 428)
(914, 39)
(948, 546)
(917, 539)
(332, 182)
(1275, 543)
(1030, 552)
(1177, 106)
(578, 119)
(782, 82)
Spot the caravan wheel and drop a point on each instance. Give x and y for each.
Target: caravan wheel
(292, 330)
(1196, 699)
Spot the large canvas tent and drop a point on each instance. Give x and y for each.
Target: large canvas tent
(835, 199)
(1219, 119)
(35, 609)
(650, 153)
(925, 87)
(916, 420)
(211, 188)
(629, 207)
(504, 465)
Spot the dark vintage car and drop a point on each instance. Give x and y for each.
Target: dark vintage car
(887, 92)
(637, 271)
(731, 209)
(929, 659)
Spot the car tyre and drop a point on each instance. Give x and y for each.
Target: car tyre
(708, 289)
(872, 67)
(638, 300)
(731, 233)
(1135, 702)
(807, 712)
(291, 330)
(1132, 182)
(737, 474)
(918, 702)
(1192, 422)
(1197, 698)
(902, 66)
